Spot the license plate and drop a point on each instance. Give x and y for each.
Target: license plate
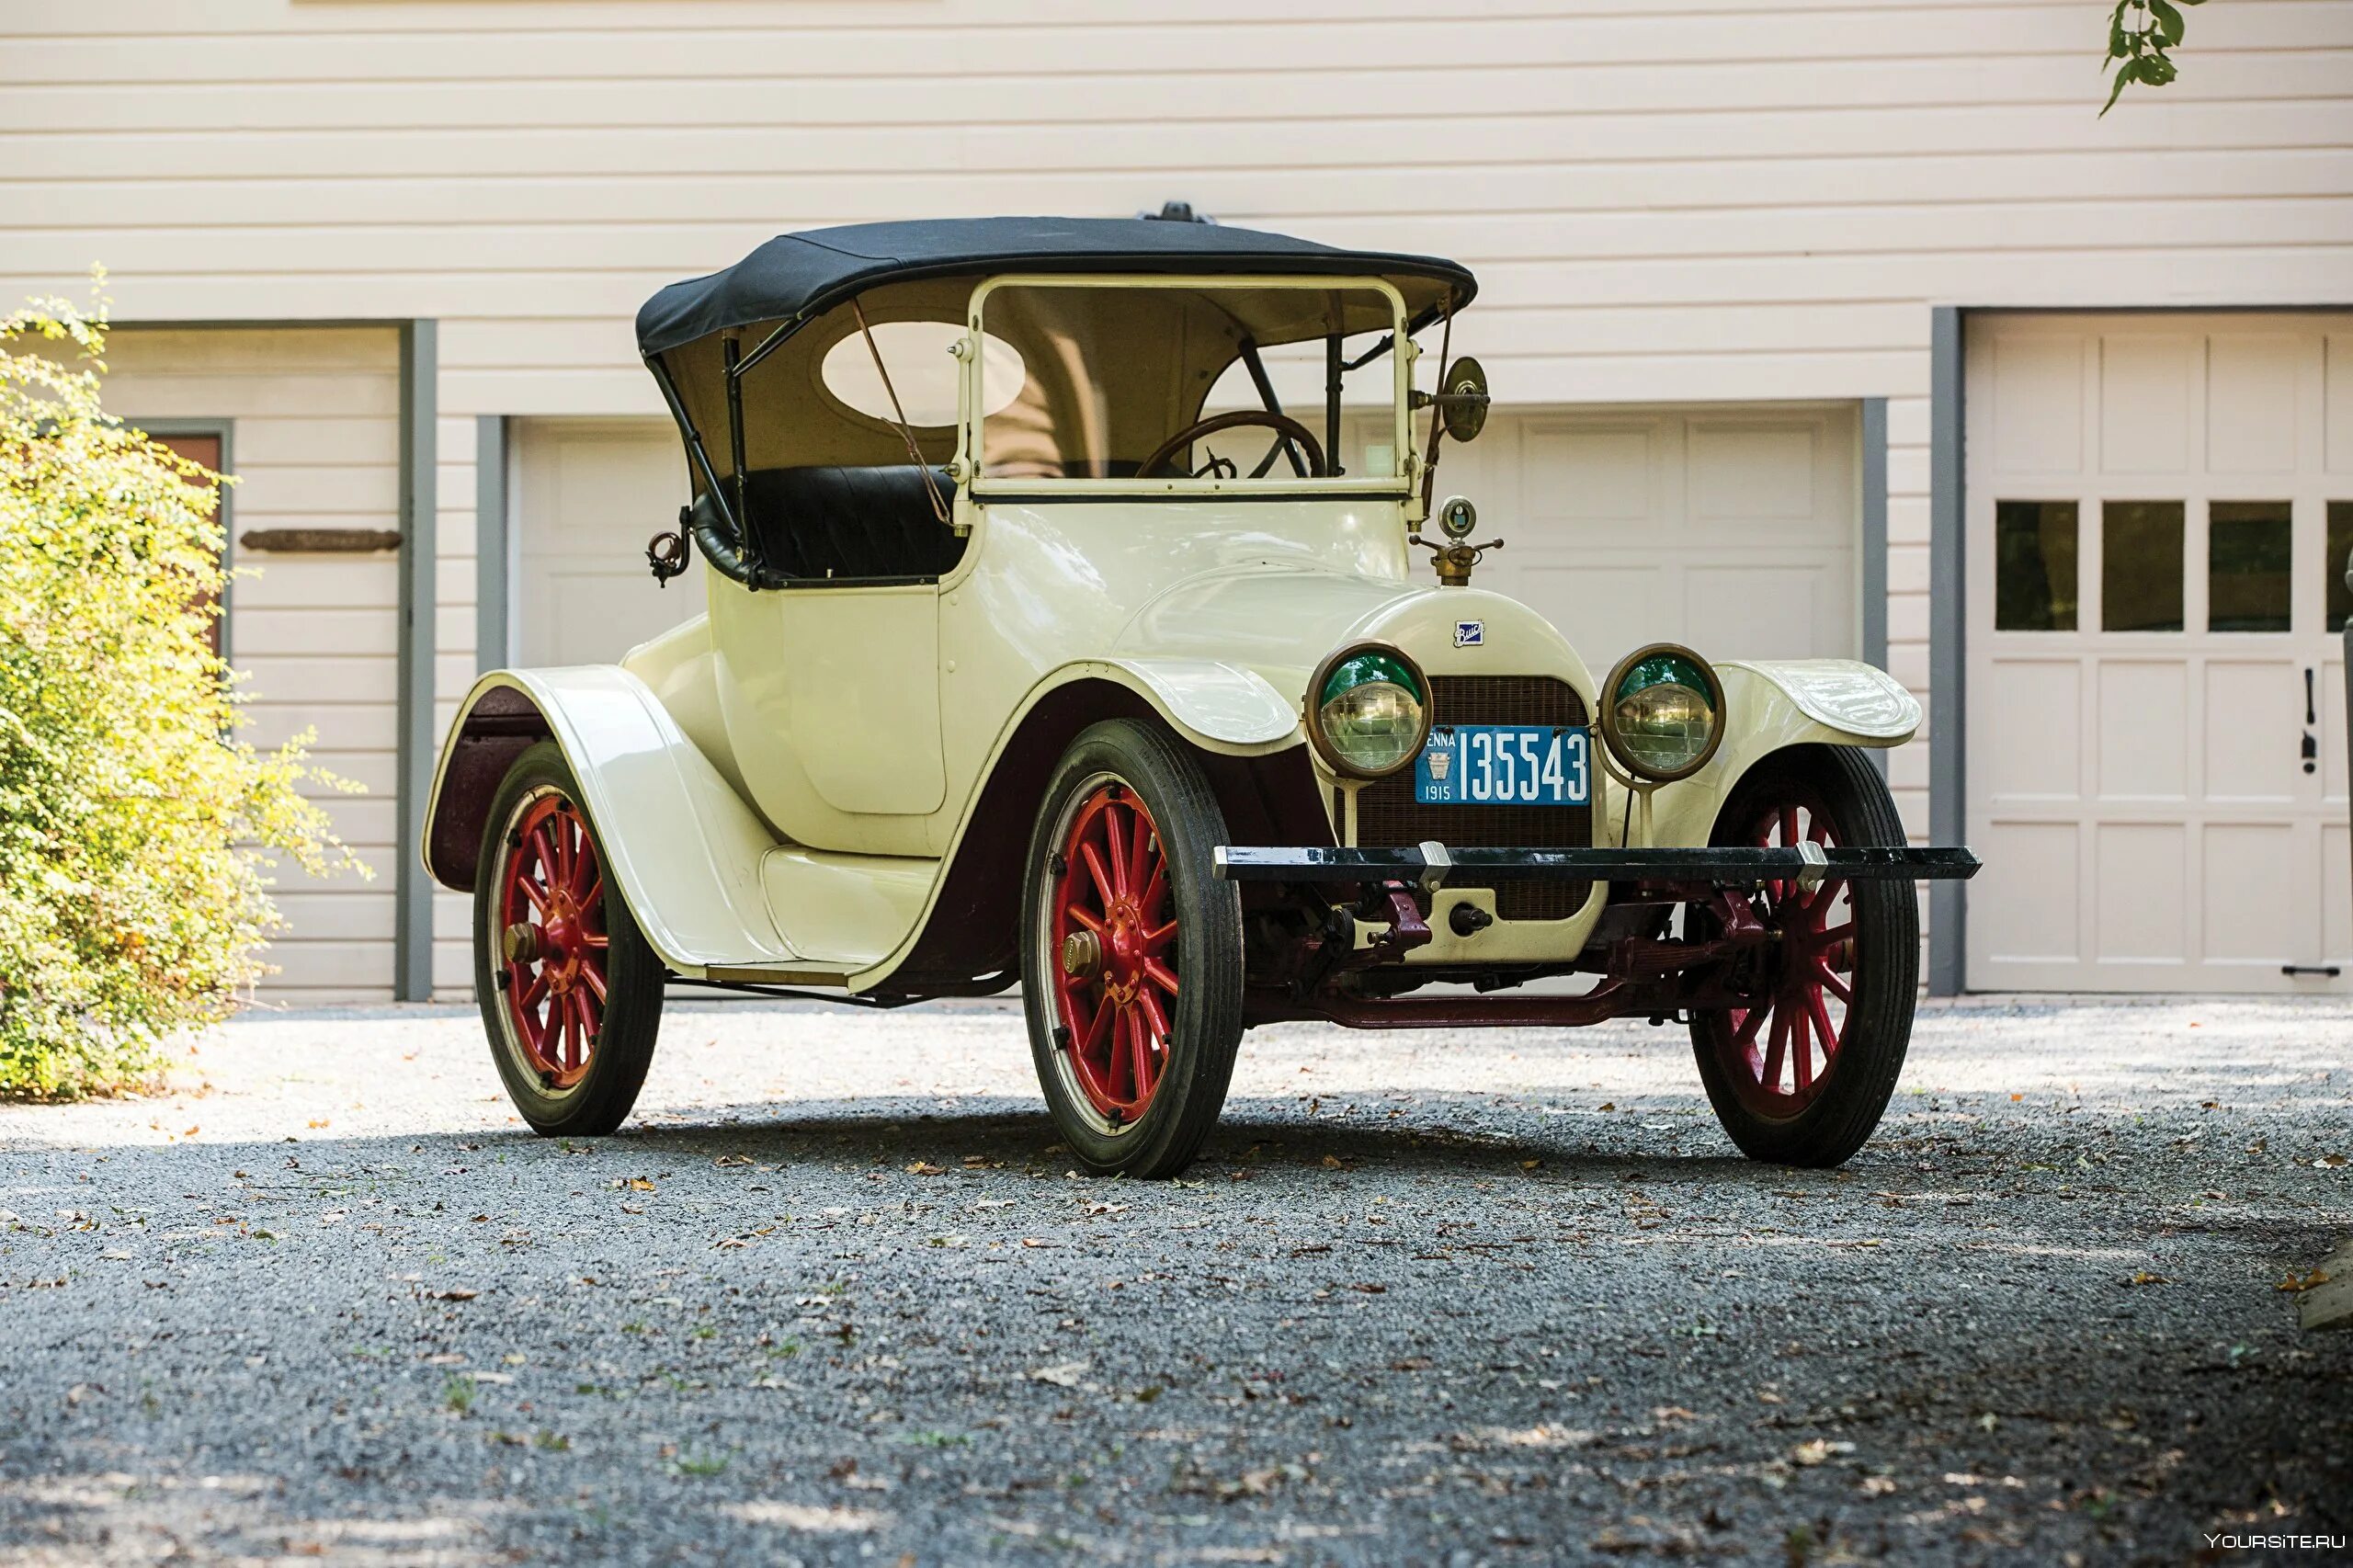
(1504, 765)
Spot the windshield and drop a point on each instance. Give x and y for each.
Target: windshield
(1118, 383)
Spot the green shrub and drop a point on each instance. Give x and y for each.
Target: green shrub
(133, 902)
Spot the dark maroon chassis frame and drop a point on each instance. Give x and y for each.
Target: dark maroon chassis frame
(1642, 976)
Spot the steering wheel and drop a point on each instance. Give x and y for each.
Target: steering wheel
(1283, 424)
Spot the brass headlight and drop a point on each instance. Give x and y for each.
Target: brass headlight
(1662, 712)
(1369, 709)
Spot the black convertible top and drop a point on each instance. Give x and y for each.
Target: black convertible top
(798, 275)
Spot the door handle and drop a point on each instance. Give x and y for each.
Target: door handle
(2312, 717)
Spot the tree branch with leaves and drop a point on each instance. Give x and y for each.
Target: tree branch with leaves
(2139, 33)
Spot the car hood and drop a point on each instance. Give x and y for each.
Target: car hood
(1283, 622)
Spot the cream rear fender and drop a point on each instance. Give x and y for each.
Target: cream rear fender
(1769, 707)
(681, 843)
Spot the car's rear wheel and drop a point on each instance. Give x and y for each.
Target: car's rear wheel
(1802, 1078)
(1130, 952)
(571, 994)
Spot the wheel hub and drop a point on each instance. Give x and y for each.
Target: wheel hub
(552, 942)
(1113, 935)
(1781, 1049)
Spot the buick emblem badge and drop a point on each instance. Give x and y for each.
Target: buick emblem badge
(1469, 633)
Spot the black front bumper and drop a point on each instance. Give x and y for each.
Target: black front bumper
(1430, 864)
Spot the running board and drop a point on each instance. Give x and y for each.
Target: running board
(1429, 865)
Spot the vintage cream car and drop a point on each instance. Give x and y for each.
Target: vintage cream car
(1018, 669)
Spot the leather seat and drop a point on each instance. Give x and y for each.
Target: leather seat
(850, 522)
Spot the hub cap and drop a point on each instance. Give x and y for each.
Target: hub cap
(552, 940)
(1780, 1053)
(1113, 941)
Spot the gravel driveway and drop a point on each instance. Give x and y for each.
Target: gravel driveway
(1430, 1297)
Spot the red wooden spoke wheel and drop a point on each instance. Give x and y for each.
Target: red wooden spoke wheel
(1779, 1054)
(1115, 945)
(554, 950)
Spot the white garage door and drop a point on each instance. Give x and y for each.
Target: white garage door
(591, 494)
(2159, 511)
(1733, 530)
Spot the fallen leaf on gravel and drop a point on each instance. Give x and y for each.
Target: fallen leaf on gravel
(924, 1167)
(318, 1121)
(1311, 1248)
(1818, 1451)
(639, 1184)
(1063, 1375)
(2145, 1278)
(1034, 1242)
(1878, 1485)
(726, 1162)
(2294, 1282)
(1371, 1290)
(1332, 1162)
(1253, 1483)
(1607, 1104)
(457, 1293)
(2325, 1163)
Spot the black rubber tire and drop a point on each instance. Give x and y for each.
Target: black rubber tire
(1886, 913)
(1206, 1030)
(601, 1100)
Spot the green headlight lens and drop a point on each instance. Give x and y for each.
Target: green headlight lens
(1664, 718)
(1370, 712)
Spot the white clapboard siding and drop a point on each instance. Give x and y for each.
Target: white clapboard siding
(1669, 202)
(314, 441)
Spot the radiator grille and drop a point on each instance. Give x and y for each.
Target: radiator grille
(1388, 816)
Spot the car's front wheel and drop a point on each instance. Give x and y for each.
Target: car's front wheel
(1130, 952)
(1802, 1077)
(571, 993)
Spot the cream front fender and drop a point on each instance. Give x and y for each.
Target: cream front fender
(1768, 708)
(1216, 706)
(683, 845)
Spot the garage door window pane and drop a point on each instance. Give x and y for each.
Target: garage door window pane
(2250, 554)
(2333, 569)
(2034, 566)
(2140, 572)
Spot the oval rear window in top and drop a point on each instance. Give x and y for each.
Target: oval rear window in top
(922, 369)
